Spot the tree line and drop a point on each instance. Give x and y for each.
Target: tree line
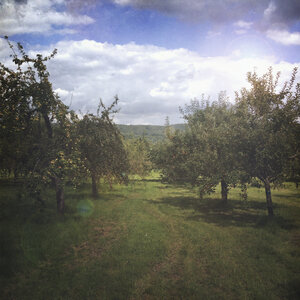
(257, 137)
(45, 143)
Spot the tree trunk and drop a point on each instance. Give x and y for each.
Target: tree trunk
(60, 201)
(16, 175)
(268, 197)
(94, 185)
(224, 190)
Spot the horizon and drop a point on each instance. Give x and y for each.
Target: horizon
(155, 56)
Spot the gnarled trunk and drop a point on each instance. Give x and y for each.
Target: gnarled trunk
(268, 197)
(224, 190)
(60, 201)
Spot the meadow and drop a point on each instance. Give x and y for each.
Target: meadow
(150, 240)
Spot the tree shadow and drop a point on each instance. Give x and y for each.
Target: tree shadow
(233, 213)
(150, 180)
(137, 180)
(295, 196)
(8, 253)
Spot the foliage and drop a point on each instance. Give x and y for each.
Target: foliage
(101, 146)
(268, 129)
(171, 157)
(202, 155)
(45, 143)
(138, 152)
(211, 127)
(258, 137)
(36, 127)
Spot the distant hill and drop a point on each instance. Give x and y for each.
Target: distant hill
(150, 132)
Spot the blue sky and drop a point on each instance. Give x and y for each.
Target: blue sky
(156, 55)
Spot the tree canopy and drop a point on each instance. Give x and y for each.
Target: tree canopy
(46, 144)
(42, 140)
(101, 147)
(269, 129)
(257, 137)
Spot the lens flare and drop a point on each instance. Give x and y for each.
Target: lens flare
(85, 208)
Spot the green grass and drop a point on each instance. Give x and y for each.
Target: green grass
(150, 240)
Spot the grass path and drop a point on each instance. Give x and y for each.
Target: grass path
(151, 241)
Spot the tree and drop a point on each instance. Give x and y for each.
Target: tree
(172, 156)
(201, 155)
(35, 127)
(138, 152)
(101, 147)
(210, 126)
(267, 138)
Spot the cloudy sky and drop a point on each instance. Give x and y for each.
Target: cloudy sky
(156, 55)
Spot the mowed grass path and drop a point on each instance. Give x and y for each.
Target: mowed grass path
(150, 240)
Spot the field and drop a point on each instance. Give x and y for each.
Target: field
(150, 240)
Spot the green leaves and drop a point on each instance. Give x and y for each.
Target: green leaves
(101, 145)
(268, 124)
(256, 137)
(201, 155)
(36, 136)
(273, 119)
(138, 152)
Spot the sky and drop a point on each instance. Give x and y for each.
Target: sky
(155, 55)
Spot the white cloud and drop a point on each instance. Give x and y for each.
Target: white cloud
(242, 27)
(35, 16)
(270, 10)
(4, 49)
(62, 93)
(243, 24)
(151, 82)
(123, 2)
(237, 53)
(284, 37)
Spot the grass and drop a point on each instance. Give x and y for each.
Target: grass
(150, 240)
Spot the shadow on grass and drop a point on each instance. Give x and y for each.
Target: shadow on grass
(145, 180)
(233, 213)
(294, 196)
